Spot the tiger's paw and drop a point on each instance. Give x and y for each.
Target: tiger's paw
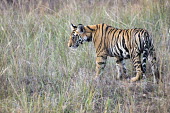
(119, 78)
(134, 79)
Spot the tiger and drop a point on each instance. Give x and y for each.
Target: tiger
(118, 43)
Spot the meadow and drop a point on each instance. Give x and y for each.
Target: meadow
(39, 73)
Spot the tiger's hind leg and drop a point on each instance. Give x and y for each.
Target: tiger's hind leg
(153, 62)
(121, 69)
(137, 64)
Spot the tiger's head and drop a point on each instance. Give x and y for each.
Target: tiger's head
(78, 36)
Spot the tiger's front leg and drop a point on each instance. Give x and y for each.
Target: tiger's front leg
(100, 65)
(121, 69)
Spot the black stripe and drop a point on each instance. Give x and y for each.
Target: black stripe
(102, 29)
(113, 37)
(142, 31)
(143, 69)
(146, 35)
(109, 41)
(127, 34)
(118, 44)
(136, 31)
(144, 60)
(119, 50)
(107, 28)
(110, 31)
(150, 43)
(116, 38)
(145, 54)
(98, 48)
(136, 42)
(101, 38)
(114, 34)
(154, 58)
(123, 40)
(140, 42)
(95, 33)
(124, 44)
(119, 33)
(137, 65)
(137, 62)
(96, 26)
(90, 28)
(116, 52)
(106, 34)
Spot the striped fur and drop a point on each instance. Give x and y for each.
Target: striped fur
(119, 43)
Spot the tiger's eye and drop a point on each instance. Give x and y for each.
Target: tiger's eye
(73, 37)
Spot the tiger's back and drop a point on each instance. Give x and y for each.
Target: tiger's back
(120, 42)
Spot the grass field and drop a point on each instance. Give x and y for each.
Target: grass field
(40, 74)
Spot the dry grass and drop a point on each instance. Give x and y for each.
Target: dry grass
(39, 73)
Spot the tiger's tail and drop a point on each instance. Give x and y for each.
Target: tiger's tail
(150, 54)
(147, 43)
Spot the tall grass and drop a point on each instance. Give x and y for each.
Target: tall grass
(39, 73)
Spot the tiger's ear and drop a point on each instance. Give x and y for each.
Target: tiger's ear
(80, 28)
(73, 26)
